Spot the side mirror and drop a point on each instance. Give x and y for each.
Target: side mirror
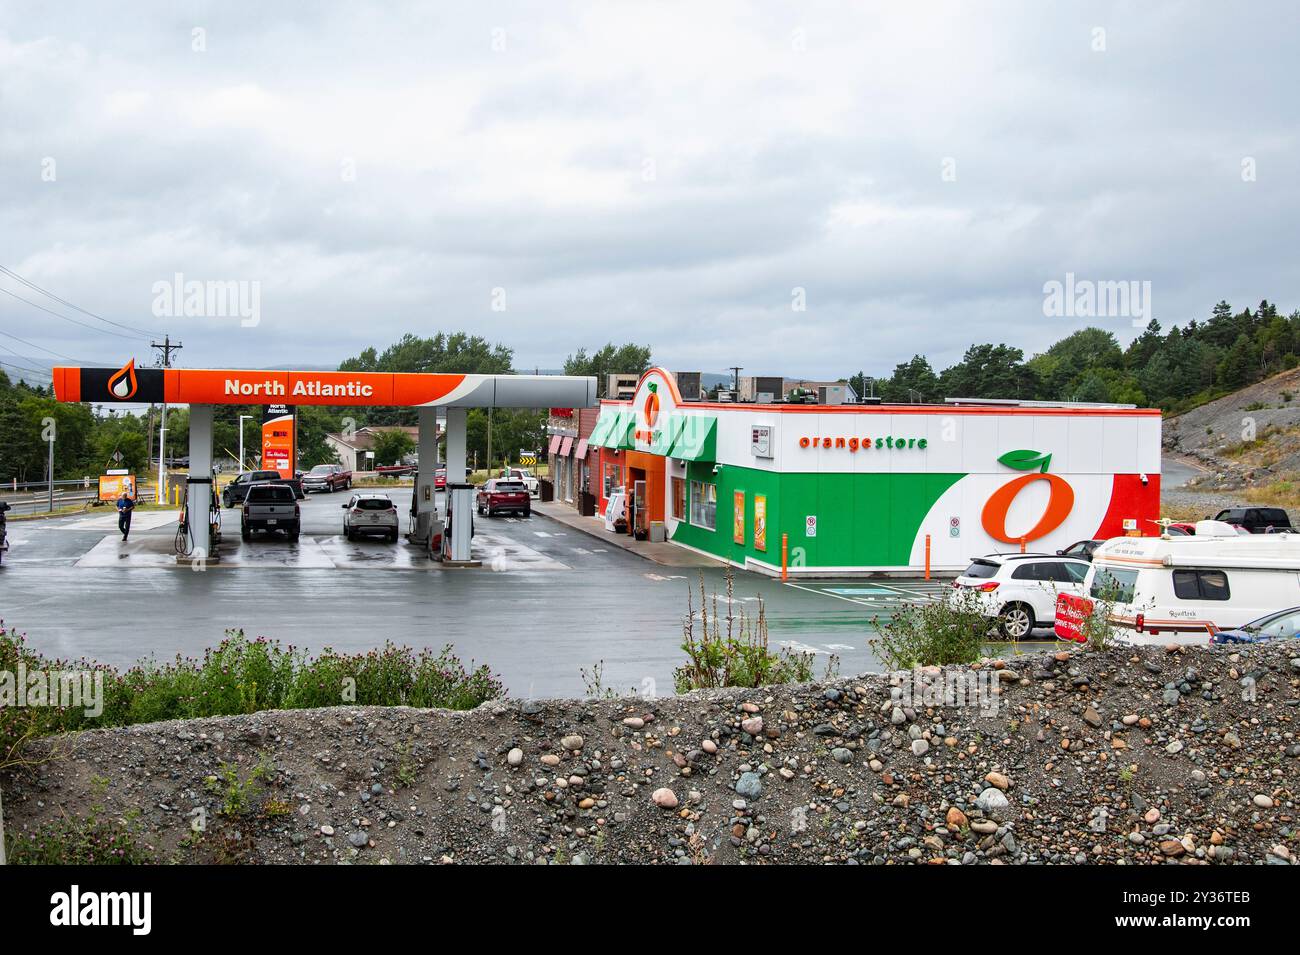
(344, 506)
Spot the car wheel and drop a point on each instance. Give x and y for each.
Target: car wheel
(1016, 621)
(527, 512)
(245, 533)
(294, 532)
(392, 537)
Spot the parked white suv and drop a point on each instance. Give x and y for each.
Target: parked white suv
(370, 514)
(1019, 590)
(522, 474)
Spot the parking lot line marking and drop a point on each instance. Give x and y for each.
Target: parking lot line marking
(824, 593)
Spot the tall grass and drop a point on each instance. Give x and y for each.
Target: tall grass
(243, 676)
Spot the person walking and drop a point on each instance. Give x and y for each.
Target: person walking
(125, 505)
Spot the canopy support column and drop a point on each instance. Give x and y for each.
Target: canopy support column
(199, 489)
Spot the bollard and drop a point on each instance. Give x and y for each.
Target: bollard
(927, 556)
(785, 556)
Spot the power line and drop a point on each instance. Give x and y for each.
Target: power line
(33, 344)
(34, 371)
(43, 348)
(93, 328)
(76, 308)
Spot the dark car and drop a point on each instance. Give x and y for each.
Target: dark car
(1257, 520)
(1081, 549)
(1279, 625)
(234, 493)
(499, 495)
(270, 507)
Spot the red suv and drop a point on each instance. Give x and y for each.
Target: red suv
(499, 494)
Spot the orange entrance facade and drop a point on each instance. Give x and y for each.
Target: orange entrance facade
(649, 468)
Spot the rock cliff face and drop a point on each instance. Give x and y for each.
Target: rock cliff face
(1213, 433)
(1093, 756)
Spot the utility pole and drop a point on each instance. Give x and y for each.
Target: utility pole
(489, 442)
(166, 347)
(735, 381)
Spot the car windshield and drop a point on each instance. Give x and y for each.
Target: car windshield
(373, 504)
(269, 494)
(321, 469)
(508, 486)
(982, 568)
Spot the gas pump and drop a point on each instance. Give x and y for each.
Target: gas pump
(460, 522)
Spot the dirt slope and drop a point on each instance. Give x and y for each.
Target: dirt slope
(1214, 433)
(1148, 756)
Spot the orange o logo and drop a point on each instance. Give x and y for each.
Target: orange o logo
(652, 406)
(994, 517)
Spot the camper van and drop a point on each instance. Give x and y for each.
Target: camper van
(1180, 589)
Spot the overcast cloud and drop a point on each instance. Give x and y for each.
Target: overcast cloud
(657, 172)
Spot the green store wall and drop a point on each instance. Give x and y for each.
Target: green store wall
(863, 520)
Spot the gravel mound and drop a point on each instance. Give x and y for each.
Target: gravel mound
(1154, 756)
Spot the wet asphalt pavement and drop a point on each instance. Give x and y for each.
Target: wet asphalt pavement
(549, 601)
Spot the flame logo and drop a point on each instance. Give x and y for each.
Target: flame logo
(123, 384)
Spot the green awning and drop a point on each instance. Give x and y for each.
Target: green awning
(604, 424)
(698, 440)
(667, 436)
(620, 435)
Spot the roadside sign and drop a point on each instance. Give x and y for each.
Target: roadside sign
(1071, 612)
(112, 486)
(527, 460)
(810, 525)
(954, 526)
(117, 457)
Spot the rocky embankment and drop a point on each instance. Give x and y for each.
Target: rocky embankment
(1152, 756)
(1212, 432)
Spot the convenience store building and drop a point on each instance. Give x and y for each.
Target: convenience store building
(870, 488)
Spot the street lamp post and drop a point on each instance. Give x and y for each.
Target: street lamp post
(242, 419)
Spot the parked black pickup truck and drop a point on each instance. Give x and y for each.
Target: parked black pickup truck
(1257, 520)
(237, 490)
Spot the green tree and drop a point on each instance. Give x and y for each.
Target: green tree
(391, 447)
(610, 360)
(991, 371)
(912, 380)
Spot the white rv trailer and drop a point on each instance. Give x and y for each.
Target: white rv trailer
(1166, 590)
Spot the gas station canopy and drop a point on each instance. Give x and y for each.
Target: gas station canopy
(131, 385)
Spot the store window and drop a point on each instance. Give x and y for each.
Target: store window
(612, 479)
(704, 505)
(679, 499)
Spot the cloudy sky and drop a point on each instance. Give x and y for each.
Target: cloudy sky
(565, 174)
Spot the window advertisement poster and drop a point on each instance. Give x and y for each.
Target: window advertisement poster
(738, 518)
(760, 522)
(278, 453)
